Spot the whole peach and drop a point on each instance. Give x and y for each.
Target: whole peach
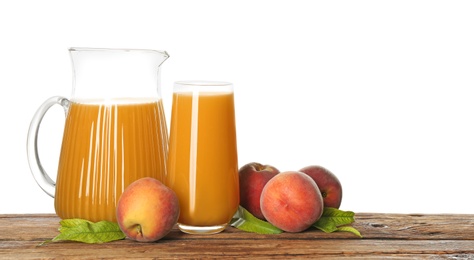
(147, 210)
(252, 178)
(291, 201)
(328, 184)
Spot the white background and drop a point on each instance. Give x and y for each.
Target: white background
(378, 92)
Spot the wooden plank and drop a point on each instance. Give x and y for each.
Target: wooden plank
(385, 235)
(240, 248)
(416, 226)
(28, 227)
(372, 226)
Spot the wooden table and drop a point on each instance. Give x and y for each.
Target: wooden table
(392, 236)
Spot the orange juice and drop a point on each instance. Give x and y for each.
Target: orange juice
(202, 165)
(106, 146)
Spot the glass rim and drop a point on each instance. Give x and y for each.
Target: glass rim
(194, 86)
(210, 83)
(80, 49)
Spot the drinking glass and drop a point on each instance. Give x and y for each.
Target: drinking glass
(202, 162)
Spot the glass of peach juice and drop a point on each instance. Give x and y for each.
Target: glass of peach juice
(202, 158)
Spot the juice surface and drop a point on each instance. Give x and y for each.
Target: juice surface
(105, 148)
(202, 167)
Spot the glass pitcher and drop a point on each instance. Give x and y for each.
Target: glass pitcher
(115, 131)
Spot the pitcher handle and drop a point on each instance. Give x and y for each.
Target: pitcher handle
(40, 175)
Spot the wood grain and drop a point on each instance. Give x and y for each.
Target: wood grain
(393, 236)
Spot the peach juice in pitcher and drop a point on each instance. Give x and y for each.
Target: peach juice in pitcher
(115, 131)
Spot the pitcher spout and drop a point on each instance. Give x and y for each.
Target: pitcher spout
(162, 56)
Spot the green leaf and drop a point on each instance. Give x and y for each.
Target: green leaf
(337, 216)
(70, 223)
(332, 219)
(245, 221)
(85, 231)
(350, 229)
(325, 224)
